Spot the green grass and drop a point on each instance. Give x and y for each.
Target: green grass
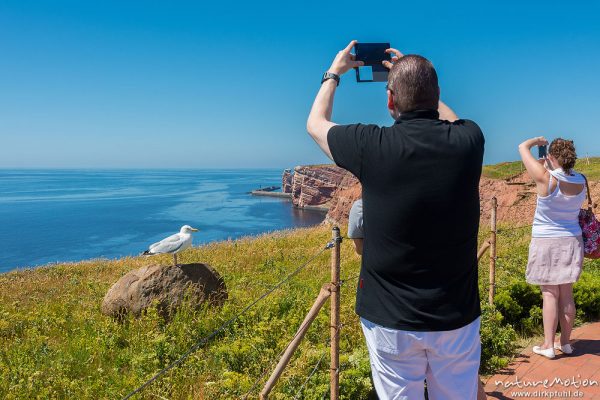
(590, 167)
(503, 170)
(319, 165)
(55, 343)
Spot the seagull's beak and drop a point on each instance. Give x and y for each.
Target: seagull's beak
(195, 230)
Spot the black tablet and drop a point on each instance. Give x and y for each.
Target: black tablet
(372, 55)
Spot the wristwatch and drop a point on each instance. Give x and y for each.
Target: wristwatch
(331, 75)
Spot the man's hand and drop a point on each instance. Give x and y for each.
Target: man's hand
(345, 61)
(396, 56)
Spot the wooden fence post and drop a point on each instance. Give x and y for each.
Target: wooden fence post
(482, 250)
(335, 316)
(493, 232)
(324, 294)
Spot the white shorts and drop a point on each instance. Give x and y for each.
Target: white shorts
(401, 360)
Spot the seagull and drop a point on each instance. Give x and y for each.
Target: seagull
(173, 244)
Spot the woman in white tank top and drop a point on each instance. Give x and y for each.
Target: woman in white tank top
(556, 249)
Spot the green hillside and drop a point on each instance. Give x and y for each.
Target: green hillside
(588, 166)
(55, 343)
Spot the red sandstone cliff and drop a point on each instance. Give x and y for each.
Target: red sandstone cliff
(516, 198)
(342, 200)
(314, 186)
(336, 189)
(287, 181)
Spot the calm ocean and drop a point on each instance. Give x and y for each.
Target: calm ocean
(51, 216)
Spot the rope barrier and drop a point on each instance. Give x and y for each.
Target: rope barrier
(314, 370)
(510, 206)
(227, 323)
(268, 368)
(516, 205)
(502, 230)
(272, 363)
(342, 281)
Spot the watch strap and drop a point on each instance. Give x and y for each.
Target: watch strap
(331, 75)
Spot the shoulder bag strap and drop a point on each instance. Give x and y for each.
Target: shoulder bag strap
(591, 204)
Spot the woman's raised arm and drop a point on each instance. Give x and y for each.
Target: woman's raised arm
(534, 167)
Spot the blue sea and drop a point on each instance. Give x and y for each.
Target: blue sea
(49, 216)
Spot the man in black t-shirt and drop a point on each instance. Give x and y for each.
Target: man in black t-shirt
(417, 294)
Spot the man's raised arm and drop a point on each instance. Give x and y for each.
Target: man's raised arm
(319, 119)
(446, 113)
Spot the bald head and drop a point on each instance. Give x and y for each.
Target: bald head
(414, 84)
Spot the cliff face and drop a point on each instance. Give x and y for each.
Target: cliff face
(314, 186)
(287, 181)
(350, 190)
(336, 189)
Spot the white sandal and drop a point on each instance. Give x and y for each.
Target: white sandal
(548, 353)
(565, 348)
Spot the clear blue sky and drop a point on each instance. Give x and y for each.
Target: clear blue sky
(229, 84)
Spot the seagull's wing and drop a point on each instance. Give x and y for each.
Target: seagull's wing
(170, 239)
(168, 245)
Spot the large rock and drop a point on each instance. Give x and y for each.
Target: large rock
(349, 191)
(314, 185)
(326, 187)
(165, 285)
(287, 180)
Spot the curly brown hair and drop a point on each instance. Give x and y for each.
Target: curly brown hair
(564, 152)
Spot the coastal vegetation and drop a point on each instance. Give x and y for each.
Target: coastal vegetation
(55, 343)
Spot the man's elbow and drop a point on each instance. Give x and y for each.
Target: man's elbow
(311, 127)
(316, 126)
